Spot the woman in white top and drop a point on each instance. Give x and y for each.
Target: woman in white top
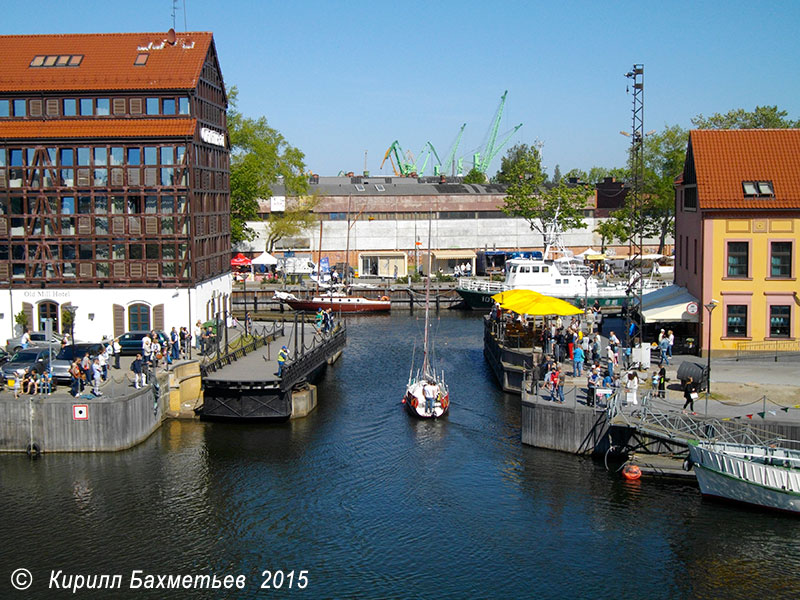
(631, 383)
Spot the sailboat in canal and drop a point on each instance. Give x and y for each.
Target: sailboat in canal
(427, 396)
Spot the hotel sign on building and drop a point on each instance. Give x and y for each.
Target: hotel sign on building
(114, 181)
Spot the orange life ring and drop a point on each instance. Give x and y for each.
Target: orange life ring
(631, 472)
(385, 298)
(414, 402)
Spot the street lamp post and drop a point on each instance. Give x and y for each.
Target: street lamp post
(710, 308)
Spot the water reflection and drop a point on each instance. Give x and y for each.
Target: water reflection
(377, 504)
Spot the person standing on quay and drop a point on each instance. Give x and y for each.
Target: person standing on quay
(662, 382)
(612, 359)
(577, 361)
(690, 394)
(283, 355)
(671, 338)
(198, 336)
(117, 352)
(97, 377)
(174, 339)
(137, 367)
(663, 346)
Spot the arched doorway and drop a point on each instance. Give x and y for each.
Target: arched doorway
(47, 310)
(138, 317)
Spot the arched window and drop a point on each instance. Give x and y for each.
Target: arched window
(138, 317)
(48, 310)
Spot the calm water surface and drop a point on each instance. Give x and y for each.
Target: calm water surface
(374, 504)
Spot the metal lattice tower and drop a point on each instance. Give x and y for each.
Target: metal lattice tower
(636, 241)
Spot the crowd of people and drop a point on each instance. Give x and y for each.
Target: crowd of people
(579, 344)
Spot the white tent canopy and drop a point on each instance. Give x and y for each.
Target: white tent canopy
(587, 252)
(265, 258)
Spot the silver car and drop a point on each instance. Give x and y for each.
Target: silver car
(38, 340)
(59, 369)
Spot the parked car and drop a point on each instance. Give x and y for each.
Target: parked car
(4, 356)
(38, 339)
(59, 369)
(131, 342)
(36, 359)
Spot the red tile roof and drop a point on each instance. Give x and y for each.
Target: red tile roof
(97, 128)
(107, 61)
(723, 159)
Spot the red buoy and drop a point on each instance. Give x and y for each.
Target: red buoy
(631, 472)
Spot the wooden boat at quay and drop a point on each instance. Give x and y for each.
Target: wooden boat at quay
(764, 476)
(337, 302)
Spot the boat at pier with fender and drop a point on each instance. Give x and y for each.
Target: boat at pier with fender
(561, 278)
(764, 476)
(336, 301)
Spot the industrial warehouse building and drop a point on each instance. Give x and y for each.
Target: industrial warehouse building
(114, 181)
(383, 221)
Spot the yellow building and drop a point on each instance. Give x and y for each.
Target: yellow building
(737, 233)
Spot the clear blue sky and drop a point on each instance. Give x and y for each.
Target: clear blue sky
(339, 78)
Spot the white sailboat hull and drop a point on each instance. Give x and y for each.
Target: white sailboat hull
(417, 406)
(744, 474)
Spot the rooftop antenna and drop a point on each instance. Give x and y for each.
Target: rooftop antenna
(175, 10)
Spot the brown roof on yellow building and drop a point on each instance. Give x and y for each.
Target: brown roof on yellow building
(102, 61)
(97, 128)
(725, 159)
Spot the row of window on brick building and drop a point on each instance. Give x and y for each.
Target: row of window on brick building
(94, 107)
(92, 166)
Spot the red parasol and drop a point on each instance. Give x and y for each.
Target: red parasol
(240, 260)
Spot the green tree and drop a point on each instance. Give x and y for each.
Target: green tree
(474, 176)
(21, 319)
(561, 206)
(519, 161)
(260, 157)
(298, 216)
(762, 117)
(609, 230)
(597, 174)
(578, 174)
(664, 155)
(556, 175)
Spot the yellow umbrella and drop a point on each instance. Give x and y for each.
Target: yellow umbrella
(541, 305)
(515, 295)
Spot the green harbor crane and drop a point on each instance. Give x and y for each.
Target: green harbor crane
(444, 167)
(481, 160)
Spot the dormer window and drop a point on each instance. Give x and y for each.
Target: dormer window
(758, 189)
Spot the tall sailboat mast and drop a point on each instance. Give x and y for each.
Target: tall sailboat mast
(425, 362)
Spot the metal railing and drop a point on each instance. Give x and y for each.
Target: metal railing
(682, 428)
(774, 349)
(221, 356)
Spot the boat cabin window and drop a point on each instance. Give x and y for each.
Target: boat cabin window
(545, 269)
(513, 269)
(534, 269)
(566, 281)
(524, 269)
(558, 281)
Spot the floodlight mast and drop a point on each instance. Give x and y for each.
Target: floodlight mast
(636, 241)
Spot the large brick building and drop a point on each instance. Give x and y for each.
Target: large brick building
(114, 180)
